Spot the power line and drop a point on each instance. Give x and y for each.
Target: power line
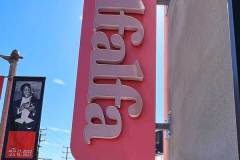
(67, 153)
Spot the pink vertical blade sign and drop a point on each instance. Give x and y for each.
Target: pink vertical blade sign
(114, 110)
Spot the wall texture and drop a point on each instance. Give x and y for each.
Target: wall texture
(200, 81)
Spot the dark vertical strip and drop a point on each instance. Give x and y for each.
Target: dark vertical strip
(234, 20)
(1, 85)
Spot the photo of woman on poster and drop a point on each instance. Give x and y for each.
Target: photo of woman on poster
(27, 105)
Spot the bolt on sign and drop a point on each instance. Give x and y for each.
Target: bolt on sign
(114, 113)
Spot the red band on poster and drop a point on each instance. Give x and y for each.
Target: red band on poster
(20, 144)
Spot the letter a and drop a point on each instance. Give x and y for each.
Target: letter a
(102, 130)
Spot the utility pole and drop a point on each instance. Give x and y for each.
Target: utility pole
(12, 60)
(67, 153)
(40, 140)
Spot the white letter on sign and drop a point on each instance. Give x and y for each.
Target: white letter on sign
(128, 6)
(102, 130)
(118, 92)
(109, 70)
(121, 23)
(102, 50)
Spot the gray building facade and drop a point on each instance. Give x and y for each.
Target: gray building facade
(201, 87)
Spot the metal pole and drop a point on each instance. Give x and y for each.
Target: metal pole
(40, 140)
(67, 153)
(12, 60)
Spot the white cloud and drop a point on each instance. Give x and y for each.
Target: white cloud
(58, 81)
(81, 17)
(59, 130)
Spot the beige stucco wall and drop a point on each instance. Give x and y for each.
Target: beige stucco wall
(200, 81)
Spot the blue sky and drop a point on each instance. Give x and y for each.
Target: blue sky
(47, 34)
